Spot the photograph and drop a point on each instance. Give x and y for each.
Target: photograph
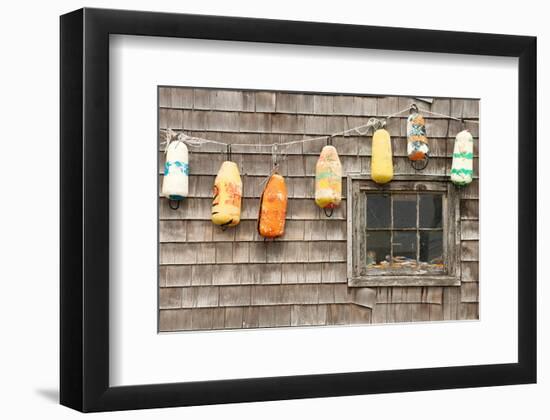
(311, 209)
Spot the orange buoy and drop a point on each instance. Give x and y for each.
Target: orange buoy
(273, 202)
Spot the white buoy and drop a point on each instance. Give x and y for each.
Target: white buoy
(175, 185)
(462, 169)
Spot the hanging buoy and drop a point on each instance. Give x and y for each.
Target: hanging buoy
(175, 184)
(273, 202)
(462, 169)
(228, 187)
(328, 180)
(381, 161)
(417, 142)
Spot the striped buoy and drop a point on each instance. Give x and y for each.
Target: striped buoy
(228, 187)
(417, 142)
(462, 169)
(273, 202)
(381, 163)
(328, 179)
(175, 184)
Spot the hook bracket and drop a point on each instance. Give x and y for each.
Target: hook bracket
(419, 165)
(174, 204)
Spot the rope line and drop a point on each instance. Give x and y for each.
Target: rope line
(281, 149)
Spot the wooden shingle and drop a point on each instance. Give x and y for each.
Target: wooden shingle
(182, 97)
(468, 311)
(469, 292)
(223, 274)
(469, 230)
(322, 104)
(470, 250)
(175, 275)
(170, 298)
(293, 273)
(469, 209)
(265, 101)
(235, 295)
(306, 315)
(175, 320)
(359, 315)
(233, 317)
(202, 275)
(201, 98)
(470, 271)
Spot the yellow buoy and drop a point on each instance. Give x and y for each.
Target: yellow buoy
(381, 163)
(228, 187)
(328, 179)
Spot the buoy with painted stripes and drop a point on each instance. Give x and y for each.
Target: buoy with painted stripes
(175, 184)
(381, 161)
(462, 169)
(417, 141)
(328, 179)
(228, 187)
(273, 203)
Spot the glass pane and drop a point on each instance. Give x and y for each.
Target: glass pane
(404, 246)
(378, 247)
(431, 247)
(404, 211)
(378, 211)
(431, 210)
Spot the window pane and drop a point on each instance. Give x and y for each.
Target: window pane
(404, 246)
(431, 247)
(404, 211)
(378, 246)
(378, 211)
(431, 210)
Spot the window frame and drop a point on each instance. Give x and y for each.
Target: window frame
(358, 274)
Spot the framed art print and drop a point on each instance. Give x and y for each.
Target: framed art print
(257, 209)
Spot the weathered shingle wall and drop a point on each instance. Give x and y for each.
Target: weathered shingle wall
(212, 279)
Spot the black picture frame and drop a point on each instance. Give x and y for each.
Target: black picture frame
(84, 235)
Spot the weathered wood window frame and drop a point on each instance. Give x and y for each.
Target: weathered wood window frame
(359, 275)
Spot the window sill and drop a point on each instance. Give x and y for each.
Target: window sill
(404, 281)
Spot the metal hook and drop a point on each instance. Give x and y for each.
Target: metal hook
(413, 109)
(229, 152)
(419, 165)
(329, 141)
(328, 213)
(274, 149)
(172, 206)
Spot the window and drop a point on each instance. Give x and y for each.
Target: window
(402, 233)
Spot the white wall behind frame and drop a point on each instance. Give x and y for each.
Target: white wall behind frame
(29, 309)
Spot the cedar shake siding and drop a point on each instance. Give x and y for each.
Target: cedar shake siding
(215, 279)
